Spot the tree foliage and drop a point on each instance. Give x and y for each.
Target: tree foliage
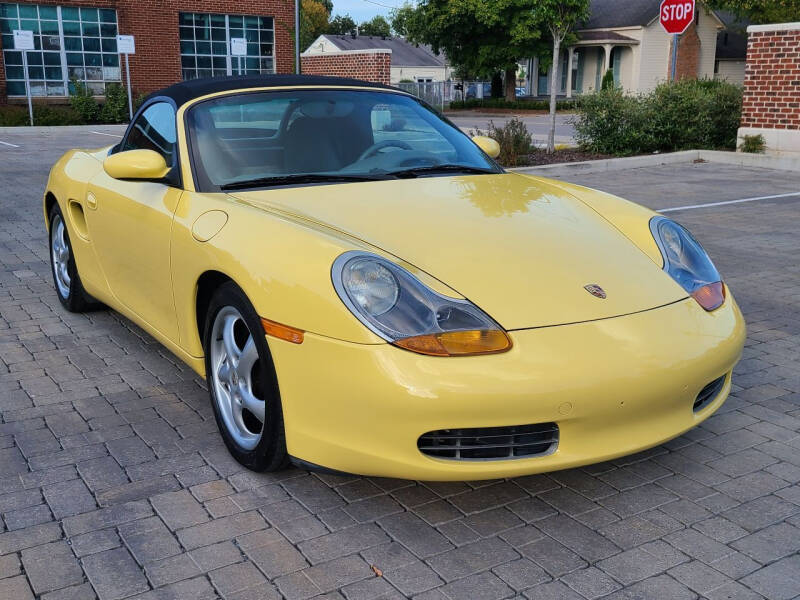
(313, 21)
(341, 25)
(478, 37)
(761, 11)
(403, 20)
(377, 26)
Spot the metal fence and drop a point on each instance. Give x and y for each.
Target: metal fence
(442, 93)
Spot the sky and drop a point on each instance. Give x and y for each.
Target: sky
(362, 10)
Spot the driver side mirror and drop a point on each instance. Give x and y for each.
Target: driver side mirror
(488, 145)
(136, 164)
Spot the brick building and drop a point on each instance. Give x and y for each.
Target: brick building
(771, 104)
(175, 39)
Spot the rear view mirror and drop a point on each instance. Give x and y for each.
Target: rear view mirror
(136, 164)
(488, 145)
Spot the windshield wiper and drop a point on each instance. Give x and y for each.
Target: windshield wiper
(300, 178)
(436, 169)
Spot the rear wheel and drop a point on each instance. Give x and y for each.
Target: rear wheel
(242, 382)
(65, 274)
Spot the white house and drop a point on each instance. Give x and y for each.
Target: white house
(626, 37)
(410, 62)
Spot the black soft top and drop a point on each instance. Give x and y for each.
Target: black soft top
(186, 91)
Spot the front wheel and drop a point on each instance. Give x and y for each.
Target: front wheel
(242, 382)
(65, 274)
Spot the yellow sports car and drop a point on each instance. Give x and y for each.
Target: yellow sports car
(367, 291)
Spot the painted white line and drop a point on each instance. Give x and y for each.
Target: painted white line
(693, 206)
(7, 144)
(108, 134)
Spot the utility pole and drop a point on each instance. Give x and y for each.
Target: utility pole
(297, 68)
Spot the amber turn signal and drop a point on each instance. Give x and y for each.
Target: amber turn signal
(457, 343)
(710, 296)
(282, 332)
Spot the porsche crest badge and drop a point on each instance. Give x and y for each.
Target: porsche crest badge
(596, 291)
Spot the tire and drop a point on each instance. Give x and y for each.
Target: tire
(66, 280)
(242, 382)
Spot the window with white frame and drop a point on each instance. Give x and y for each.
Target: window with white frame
(206, 48)
(71, 43)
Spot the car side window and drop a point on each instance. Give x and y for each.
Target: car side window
(154, 130)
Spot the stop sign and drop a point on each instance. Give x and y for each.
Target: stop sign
(676, 15)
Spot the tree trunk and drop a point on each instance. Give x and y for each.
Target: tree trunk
(551, 136)
(511, 84)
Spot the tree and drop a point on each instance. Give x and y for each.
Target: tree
(313, 22)
(341, 25)
(377, 26)
(761, 11)
(559, 16)
(403, 20)
(480, 37)
(328, 4)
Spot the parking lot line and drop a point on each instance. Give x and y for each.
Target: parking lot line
(725, 203)
(7, 144)
(108, 134)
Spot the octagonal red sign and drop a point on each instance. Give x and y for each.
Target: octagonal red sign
(676, 15)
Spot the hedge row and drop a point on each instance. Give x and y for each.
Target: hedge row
(683, 115)
(83, 109)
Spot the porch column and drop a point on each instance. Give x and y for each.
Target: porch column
(570, 54)
(607, 60)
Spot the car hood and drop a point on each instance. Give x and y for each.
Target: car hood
(520, 249)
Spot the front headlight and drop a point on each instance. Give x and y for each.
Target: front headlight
(687, 263)
(401, 309)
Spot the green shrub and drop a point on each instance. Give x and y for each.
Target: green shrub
(515, 141)
(518, 105)
(17, 116)
(608, 81)
(83, 103)
(115, 107)
(138, 101)
(753, 144)
(688, 114)
(610, 122)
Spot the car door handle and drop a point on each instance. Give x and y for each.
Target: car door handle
(91, 201)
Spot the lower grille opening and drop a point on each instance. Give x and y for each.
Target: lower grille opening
(708, 394)
(490, 443)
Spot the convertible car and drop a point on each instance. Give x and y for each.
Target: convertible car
(367, 291)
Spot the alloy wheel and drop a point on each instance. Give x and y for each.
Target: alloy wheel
(59, 248)
(236, 377)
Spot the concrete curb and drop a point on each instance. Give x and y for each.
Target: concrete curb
(781, 162)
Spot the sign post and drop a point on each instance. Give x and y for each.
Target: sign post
(675, 17)
(23, 40)
(238, 49)
(126, 45)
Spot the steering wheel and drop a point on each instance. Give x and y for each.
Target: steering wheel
(375, 148)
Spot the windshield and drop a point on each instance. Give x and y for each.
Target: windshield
(324, 135)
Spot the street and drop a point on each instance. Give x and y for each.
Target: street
(538, 124)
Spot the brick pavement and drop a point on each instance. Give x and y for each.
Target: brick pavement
(114, 482)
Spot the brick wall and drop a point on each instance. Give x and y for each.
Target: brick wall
(369, 65)
(771, 104)
(154, 23)
(772, 80)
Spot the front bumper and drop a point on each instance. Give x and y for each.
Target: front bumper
(614, 387)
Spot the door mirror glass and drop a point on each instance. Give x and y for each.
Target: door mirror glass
(136, 164)
(488, 145)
